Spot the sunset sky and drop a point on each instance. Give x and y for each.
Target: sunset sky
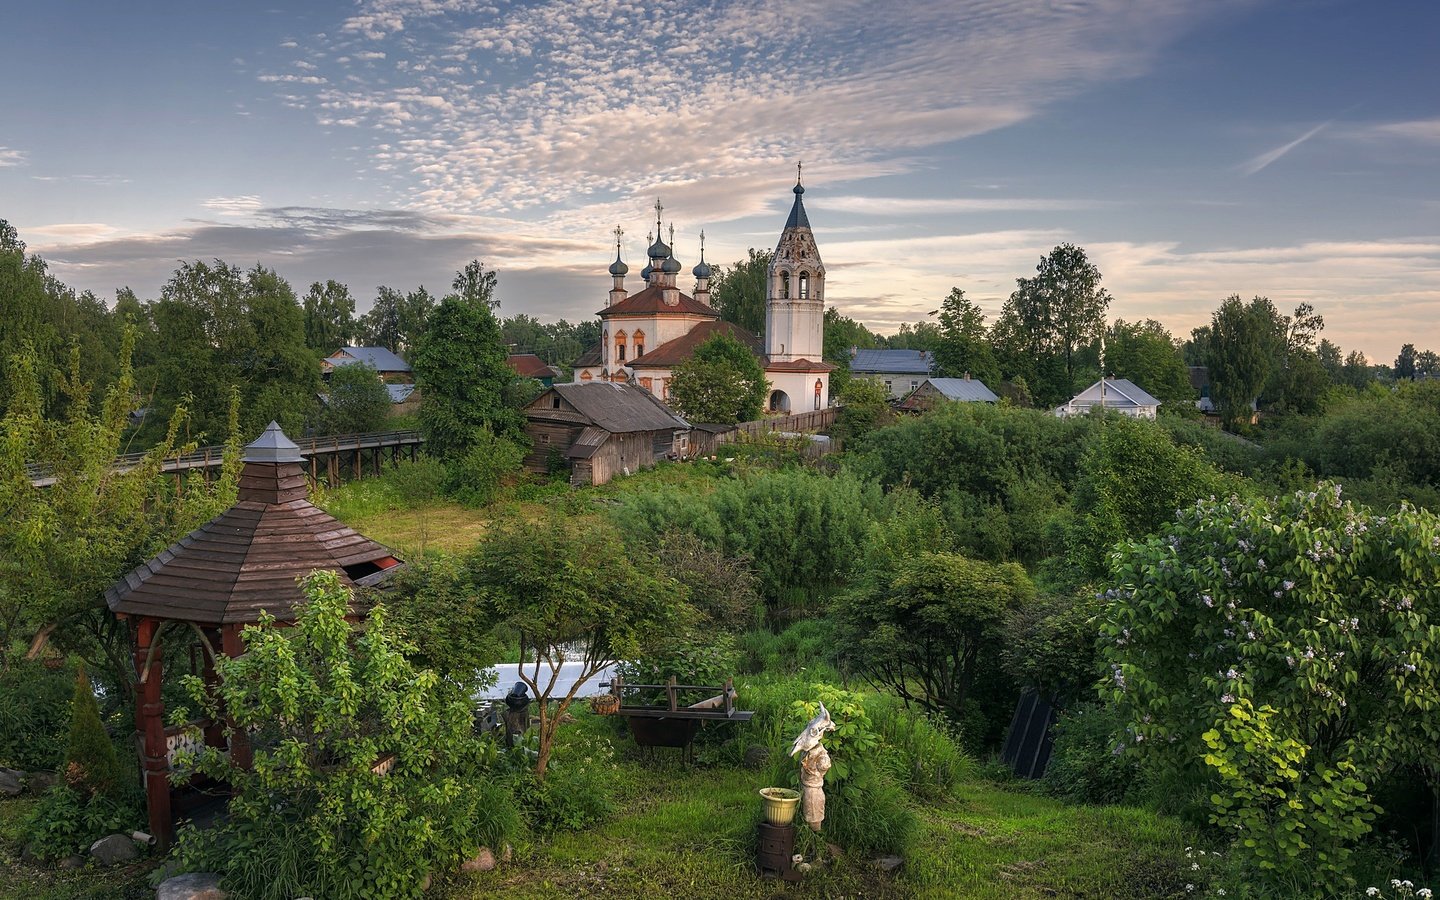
(1194, 149)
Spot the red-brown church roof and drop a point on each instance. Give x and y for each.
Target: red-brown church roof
(652, 300)
(249, 558)
(673, 352)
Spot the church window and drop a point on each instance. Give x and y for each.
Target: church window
(784, 285)
(620, 346)
(804, 285)
(639, 343)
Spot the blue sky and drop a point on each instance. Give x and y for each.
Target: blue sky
(1195, 149)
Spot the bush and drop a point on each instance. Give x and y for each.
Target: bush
(1086, 764)
(690, 659)
(34, 710)
(922, 753)
(578, 789)
(475, 477)
(67, 820)
(91, 766)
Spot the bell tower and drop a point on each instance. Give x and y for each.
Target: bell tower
(795, 290)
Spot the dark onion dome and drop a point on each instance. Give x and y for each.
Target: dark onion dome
(798, 189)
(618, 267)
(670, 266)
(703, 270)
(645, 273)
(659, 250)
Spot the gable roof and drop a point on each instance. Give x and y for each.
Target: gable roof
(399, 393)
(381, 359)
(1120, 393)
(971, 390)
(891, 362)
(591, 357)
(678, 350)
(652, 300)
(528, 365)
(617, 408)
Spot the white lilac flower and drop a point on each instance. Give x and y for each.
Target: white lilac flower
(1232, 674)
(1289, 586)
(1189, 888)
(1194, 867)
(1227, 698)
(1423, 894)
(1372, 892)
(1260, 564)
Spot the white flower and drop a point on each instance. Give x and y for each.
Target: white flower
(1219, 892)
(1423, 894)
(1194, 867)
(1189, 888)
(1372, 892)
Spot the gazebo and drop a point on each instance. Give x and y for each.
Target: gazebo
(220, 578)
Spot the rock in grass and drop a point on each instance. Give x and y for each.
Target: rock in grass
(114, 849)
(12, 782)
(483, 861)
(756, 756)
(887, 863)
(73, 861)
(40, 782)
(191, 886)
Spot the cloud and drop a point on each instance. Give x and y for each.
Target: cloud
(11, 157)
(1425, 131)
(1251, 166)
(913, 206)
(234, 206)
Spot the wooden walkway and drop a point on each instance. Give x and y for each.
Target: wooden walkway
(332, 455)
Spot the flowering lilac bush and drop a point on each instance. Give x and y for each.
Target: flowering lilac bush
(1289, 648)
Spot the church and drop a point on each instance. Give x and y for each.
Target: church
(644, 335)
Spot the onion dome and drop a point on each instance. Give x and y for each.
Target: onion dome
(670, 266)
(645, 273)
(703, 270)
(618, 267)
(659, 249)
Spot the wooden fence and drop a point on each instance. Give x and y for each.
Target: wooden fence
(806, 422)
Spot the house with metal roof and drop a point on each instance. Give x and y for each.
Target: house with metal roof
(935, 391)
(391, 367)
(1119, 395)
(601, 429)
(900, 371)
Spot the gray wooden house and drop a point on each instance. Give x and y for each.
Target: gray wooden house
(601, 429)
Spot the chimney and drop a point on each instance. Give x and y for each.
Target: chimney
(853, 350)
(967, 376)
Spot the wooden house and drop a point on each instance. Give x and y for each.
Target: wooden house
(528, 365)
(601, 429)
(935, 391)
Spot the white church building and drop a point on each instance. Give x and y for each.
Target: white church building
(644, 335)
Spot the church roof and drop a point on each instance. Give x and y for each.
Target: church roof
(798, 219)
(652, 300)
(673, 352)
(800, 365)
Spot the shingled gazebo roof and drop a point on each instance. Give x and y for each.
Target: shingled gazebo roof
(248, 558)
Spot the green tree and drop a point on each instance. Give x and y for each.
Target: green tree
(1358, 372)
(1405, 362)
(570, 597)
(1244, 343)
(91, 765)
(1057, 312)
(864, 406)
(476, 284)
(1145, 353)
(1331, 360)
(738, 293)
(721, 383)
(356, 401)
(927, 630)
(1285, 652)
(916, 336)
(462, 376)
(396, 321)
(324, 704)
(329, 317)
(964, 347)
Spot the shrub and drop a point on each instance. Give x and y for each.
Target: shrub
(91, 766)
(920, 752)
(806, 646)
(67, 820)
(476, 475)
(689, 658)
(1086, 764)
(578, 789)
(34, 710)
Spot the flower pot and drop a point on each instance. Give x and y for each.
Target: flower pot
(779, 804)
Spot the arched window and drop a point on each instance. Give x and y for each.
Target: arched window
(639, 343)
(804, 285)
(784, 285)
(620, 346)
(818, 387)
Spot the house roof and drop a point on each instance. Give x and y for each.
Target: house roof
(617, 408)
(587, 443)
(891, 362)
(652, 300)
(248, 559)
(381, 359)
(528, 365)
(1120, 393)
(673, 352)
(591, 357)
(970, 390)
(399, 393)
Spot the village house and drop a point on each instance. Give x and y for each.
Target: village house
(935, 391)
(394, 372)
(528, 365)
(900, 371)
(1114, 394)
(601, 429)
(646, 334)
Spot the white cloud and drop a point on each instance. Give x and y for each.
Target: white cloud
(234, 206)
(1423, 130)
(11, 157)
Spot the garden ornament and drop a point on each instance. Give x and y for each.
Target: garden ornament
(813, 766)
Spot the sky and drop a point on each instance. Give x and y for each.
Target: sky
(1194, 149)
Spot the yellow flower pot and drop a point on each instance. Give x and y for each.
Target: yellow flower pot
(779, 804)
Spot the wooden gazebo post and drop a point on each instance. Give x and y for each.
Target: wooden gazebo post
(223, 576)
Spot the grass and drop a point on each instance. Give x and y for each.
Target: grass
(22, 881)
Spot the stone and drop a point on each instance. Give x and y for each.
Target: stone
(12, 782)
(887, 863)
(425, 883)
(114, 849)
(483, 861)
(756, 756)
(73, 861)
(40, 782)
(191, 886)
(834, 851)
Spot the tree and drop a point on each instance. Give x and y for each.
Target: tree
(476, 284)
(1358, 372)
(329, 317)
(864, 406)
(562, 588)
(1427, 364)
(738, 293)
(1059, 311)
(462, 376)
(964, 347)
(91, 765)
(396, 321)
(324, 704)
(1332, 360)
(1285, 650)
(1405, 362)
(916, 336)
(357, 401)
(1244, 343)
(926, 631)
(1145, 353)
(721, 383)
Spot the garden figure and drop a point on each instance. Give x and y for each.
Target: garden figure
(517, 713)
(813, 766)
